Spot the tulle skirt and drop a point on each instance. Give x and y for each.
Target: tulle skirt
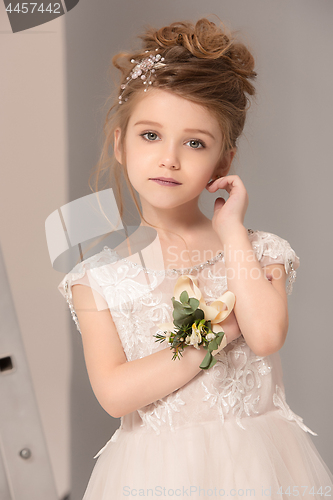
(273, 458)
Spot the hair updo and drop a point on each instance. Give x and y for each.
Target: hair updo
(203, 63)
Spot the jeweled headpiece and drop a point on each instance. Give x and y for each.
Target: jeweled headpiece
(143, 69)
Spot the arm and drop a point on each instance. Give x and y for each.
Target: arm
(123, 386)
(261, 306)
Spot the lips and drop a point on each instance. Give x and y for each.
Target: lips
(166, 179)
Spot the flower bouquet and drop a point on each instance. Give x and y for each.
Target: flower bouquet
(195, 323)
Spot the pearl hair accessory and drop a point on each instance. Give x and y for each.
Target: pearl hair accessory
(143, 69)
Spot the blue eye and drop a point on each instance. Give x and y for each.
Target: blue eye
(194, 144)
(150, 136)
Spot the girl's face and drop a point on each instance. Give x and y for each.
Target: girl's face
(170, 137)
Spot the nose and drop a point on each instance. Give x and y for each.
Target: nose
(170, 158)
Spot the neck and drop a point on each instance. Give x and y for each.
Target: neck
(184, 221)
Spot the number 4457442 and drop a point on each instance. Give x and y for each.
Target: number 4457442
(324, 491)
(30, 7)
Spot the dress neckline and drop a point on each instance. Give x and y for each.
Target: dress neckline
(169, 272)
(172, 272)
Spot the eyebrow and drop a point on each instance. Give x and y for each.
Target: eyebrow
(191, 130)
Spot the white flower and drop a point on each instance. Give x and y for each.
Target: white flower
(167, 338)
(210, 336)
(195, 338)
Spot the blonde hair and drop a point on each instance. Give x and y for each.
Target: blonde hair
(205, 64)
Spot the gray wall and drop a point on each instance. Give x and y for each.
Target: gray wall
(33, 184)
(284, 161)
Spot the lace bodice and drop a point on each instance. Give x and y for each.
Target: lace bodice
(239, 386)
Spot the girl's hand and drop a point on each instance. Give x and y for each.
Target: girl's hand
(231, 328)
(229, 214)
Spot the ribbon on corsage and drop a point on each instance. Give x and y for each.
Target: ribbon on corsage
(195, 323)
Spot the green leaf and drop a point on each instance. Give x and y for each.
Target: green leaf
(184, 311)
(177, 324)
(208, 362)
(212, 363)
(194, 303)
(199, 314)
(184, 322)
(180, 316)
(184, 297)
(219, 336)
(177, 315)
(215, 343)
(159, 338)
(177, 305)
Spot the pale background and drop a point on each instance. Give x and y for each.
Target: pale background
(53, 86)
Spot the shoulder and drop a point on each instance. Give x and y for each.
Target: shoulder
(86, 268)
(84, 273)
(271, 249)
(272, 245)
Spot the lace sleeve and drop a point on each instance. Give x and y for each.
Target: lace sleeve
(81, 274)
(271, 249)
(68, 297)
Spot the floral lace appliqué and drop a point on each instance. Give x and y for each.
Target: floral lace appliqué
(236, 376)
(217, 286)
(136, 306)
(122, 288)
(161, 411)
(270, 245)
(279, 400)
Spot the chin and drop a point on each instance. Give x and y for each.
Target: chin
(166, 200)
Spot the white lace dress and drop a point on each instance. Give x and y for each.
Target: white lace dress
(227, 432)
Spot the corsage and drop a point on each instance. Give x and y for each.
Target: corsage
(194, 322)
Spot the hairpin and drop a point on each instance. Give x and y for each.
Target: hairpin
(144, 70)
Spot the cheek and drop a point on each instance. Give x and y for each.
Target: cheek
(134, 168)
(203, 169)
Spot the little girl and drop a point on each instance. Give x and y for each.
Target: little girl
(186, 431)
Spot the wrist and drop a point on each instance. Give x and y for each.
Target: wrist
(196, 354)
(230, 231)
(222, 345)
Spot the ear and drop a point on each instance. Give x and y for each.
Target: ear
(117, 146)
(224, 164)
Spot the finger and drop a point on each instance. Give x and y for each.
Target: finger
(210, 183)
(214, 185)
(219, 202)
(228, 183)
